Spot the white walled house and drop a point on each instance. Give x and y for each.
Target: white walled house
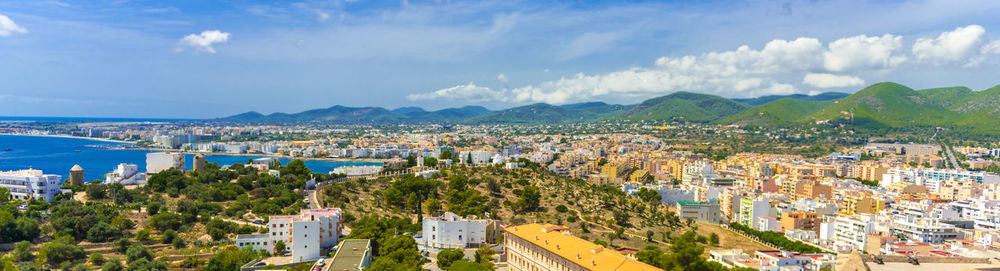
(452, 231)
(127, 174)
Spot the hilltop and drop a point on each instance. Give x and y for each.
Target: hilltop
(685, 106)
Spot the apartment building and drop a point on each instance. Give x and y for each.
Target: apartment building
(699, 211)
(924, 230)
(160, 161)
(452, 231)
(303, 234)
(799, 220)
(752, 209)
(851, 232)
(26, 184)
(536, 247)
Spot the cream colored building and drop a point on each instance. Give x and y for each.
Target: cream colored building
(536, 247)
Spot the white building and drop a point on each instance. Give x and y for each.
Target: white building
(127, 174)
(452, 231)
(767, 223)
(924, 230)
(304, 234)
(160, 161)
(477, 157)
(851, 232)
(932, 177)
(357, 170)
(699, 211)
(30, 183)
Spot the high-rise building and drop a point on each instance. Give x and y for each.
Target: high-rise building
(76, 176)
(304, 234)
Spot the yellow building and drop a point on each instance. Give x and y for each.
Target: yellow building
(639, 176)
(535, 247)
(613, 171)
(861, 203)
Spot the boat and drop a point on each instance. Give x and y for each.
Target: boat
(76, 150)
(8, 149)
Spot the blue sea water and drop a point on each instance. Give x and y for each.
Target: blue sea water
(55, 155)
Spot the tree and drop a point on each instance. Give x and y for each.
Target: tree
(230, 259)
(113, 265)
(432, 205)
(430, 161)
(446, 257)
(649, 236)
(530, 198)
(136, 252)
(713, 239)
(648, 195)
(144, 264)
(465, 265)
(445, 154)
(102, 232)
(96, 258)
(59, 251)
(4, 194)
(22, 251)
(279, 247)
(165, 221)
(153, 208)
(168, 236)
(484, 256)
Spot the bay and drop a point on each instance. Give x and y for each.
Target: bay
(56, 155)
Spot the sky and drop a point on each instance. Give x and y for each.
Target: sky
(207, 59)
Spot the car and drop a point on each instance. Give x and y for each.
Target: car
(260, 264)
(23, 207)
(258, 222)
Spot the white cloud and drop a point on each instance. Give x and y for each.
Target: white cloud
(322, 15)
(826, 80)
(503, 78)
(864, 52)
(203, 42)
(950, 46)
(8, 27)
(468, 92)
(991, 48)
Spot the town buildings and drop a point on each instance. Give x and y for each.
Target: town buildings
(303, 234)
(160, 161)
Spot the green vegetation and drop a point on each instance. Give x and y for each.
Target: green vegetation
(685, 254)
(778, 239)
(684, 106)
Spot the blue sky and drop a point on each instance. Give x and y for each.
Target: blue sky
(201, 59)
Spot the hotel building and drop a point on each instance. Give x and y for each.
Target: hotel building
(30, 183)
(303, 234)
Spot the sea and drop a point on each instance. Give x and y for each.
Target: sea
(56, 155)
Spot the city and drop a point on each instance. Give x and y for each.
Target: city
(331, 136)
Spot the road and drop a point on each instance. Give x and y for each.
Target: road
(954, 162)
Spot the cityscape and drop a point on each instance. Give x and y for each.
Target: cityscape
(875, 146)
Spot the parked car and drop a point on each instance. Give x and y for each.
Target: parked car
(258, 222)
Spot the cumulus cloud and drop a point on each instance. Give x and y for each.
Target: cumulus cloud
(8, 27)
(322, 15)
(949, 46)
(503, 78)
(864, 52)
(203, 42)
(468, 92)
(826, 80)
(743, 72)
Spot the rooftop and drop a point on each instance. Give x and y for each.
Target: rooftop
(581, 252)
(349, 255)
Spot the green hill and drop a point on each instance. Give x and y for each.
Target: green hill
(782, 112)
(684, 106)
(890, 104)
(946, 96)
(825, 96)
(542, 113)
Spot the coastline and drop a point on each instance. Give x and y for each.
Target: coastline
(78, 137)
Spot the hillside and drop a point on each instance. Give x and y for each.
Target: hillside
(684, 106)
(889, 104)
(946, 96)
(542, 113)
(781, 112)
(337, 113)
(447, 114)
(825, 96)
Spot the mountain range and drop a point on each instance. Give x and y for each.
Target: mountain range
(880, 105)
